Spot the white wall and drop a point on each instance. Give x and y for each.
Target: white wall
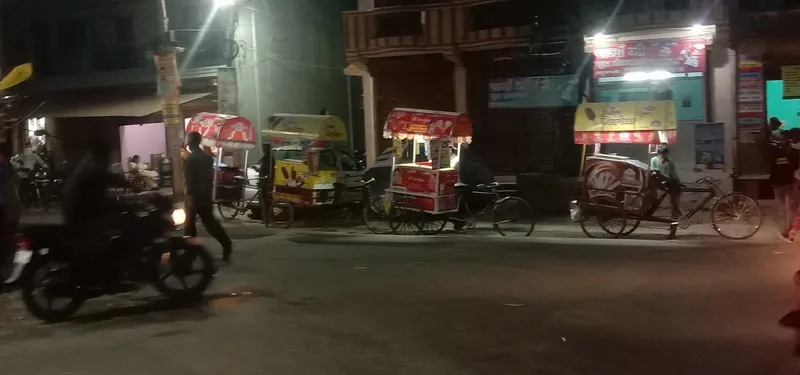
(292, 59)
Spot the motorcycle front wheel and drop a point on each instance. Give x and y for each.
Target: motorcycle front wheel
(48, 291)
(185, 271)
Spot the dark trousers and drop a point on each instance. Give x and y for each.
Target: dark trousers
(213, 226)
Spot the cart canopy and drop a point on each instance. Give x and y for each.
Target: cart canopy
(285, 129)
(226, 131)
(406, 123)
(650, 122)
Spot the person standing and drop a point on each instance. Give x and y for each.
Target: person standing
(662, 164)
(199, 195)
(784, 161)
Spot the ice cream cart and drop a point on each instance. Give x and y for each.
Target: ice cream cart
(619, 192)
(424, 190)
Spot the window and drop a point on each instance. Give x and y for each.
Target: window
(676, 4)
(347, 161)
(398, 24)
(327, 160)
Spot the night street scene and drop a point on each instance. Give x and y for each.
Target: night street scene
(487, 187)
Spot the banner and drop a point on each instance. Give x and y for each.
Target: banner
(791, 81)
(709, 145)
(618, 59)
(533, 92)
(649, 116)
(169, 82)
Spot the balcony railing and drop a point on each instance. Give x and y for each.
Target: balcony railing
(444, 26)
(651, 14)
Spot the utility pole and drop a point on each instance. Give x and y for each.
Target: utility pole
(169, 90)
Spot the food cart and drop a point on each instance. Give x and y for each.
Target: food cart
(425, 187)
(312, 166)
(224, 131)
(619, 192)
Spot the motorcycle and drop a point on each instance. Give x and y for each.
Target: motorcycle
(52, 264)
(47, 189)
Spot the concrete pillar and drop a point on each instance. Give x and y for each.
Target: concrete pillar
(371, 132)
(460, 81)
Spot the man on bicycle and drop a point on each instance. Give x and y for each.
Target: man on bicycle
(666, 169)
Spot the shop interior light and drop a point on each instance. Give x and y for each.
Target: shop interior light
(659, 75)
(636, 76)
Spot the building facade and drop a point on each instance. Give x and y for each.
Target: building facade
(674, 50)
(467, 56)
(764, 34)
(95, 73)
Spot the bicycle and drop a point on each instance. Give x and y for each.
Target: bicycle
(376, 211)
(509, 215)
(229, 209)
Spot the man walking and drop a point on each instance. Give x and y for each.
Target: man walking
(784, 161)
(662, 164)
(199, 195)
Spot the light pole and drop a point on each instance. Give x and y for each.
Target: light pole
(169, 90)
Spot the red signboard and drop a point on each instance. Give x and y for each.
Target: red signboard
(223, 130)
(642, 137)
(429, 124)
(618, 59)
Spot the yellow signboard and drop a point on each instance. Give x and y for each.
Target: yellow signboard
(295, 174)
(625, 116)
(291, 127)
(16, 76)
(791, 81)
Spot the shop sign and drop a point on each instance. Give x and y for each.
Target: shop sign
(709, 145)
(618, 59)
(750, 100)
(791, 81)
(646, 116)
(533, 92)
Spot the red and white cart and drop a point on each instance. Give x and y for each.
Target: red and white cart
(424, 190)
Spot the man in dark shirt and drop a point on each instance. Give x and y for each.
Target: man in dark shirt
(199, 195)
(86, 198)
(784, 161)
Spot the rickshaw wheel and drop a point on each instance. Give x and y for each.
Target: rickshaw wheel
(632, 228)
(405, 223)
(229, 210)
(741, 212)
(432, 224)
(281, 214)
(609, 215)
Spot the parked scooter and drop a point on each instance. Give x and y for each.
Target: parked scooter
(57, 270)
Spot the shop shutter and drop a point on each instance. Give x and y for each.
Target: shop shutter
(542, 141)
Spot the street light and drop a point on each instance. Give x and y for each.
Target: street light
(222, 4)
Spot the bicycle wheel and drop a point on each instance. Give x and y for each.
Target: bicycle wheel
(375, 217)
(609, 216)
(513, 216)
(281, 214)
(229, 210)
(736, 216)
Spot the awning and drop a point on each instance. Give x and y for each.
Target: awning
(648, 122)
(124, 107)
(284, 128)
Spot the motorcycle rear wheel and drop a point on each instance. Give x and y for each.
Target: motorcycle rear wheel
(179, 264)
(53, 278)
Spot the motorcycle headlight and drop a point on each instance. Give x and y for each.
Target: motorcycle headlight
(178, 216)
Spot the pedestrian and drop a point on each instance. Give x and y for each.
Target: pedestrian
(784, 161)
(665, 167)
(199, 195)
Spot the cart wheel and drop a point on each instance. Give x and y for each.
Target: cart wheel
(631, 228)
(604, 213)
(281, 214)
(375, 216)
(513, 216)
(432, 224)
(229, 210)
(736, 216)
(405, 223)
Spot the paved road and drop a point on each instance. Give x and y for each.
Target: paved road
(330, 303)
